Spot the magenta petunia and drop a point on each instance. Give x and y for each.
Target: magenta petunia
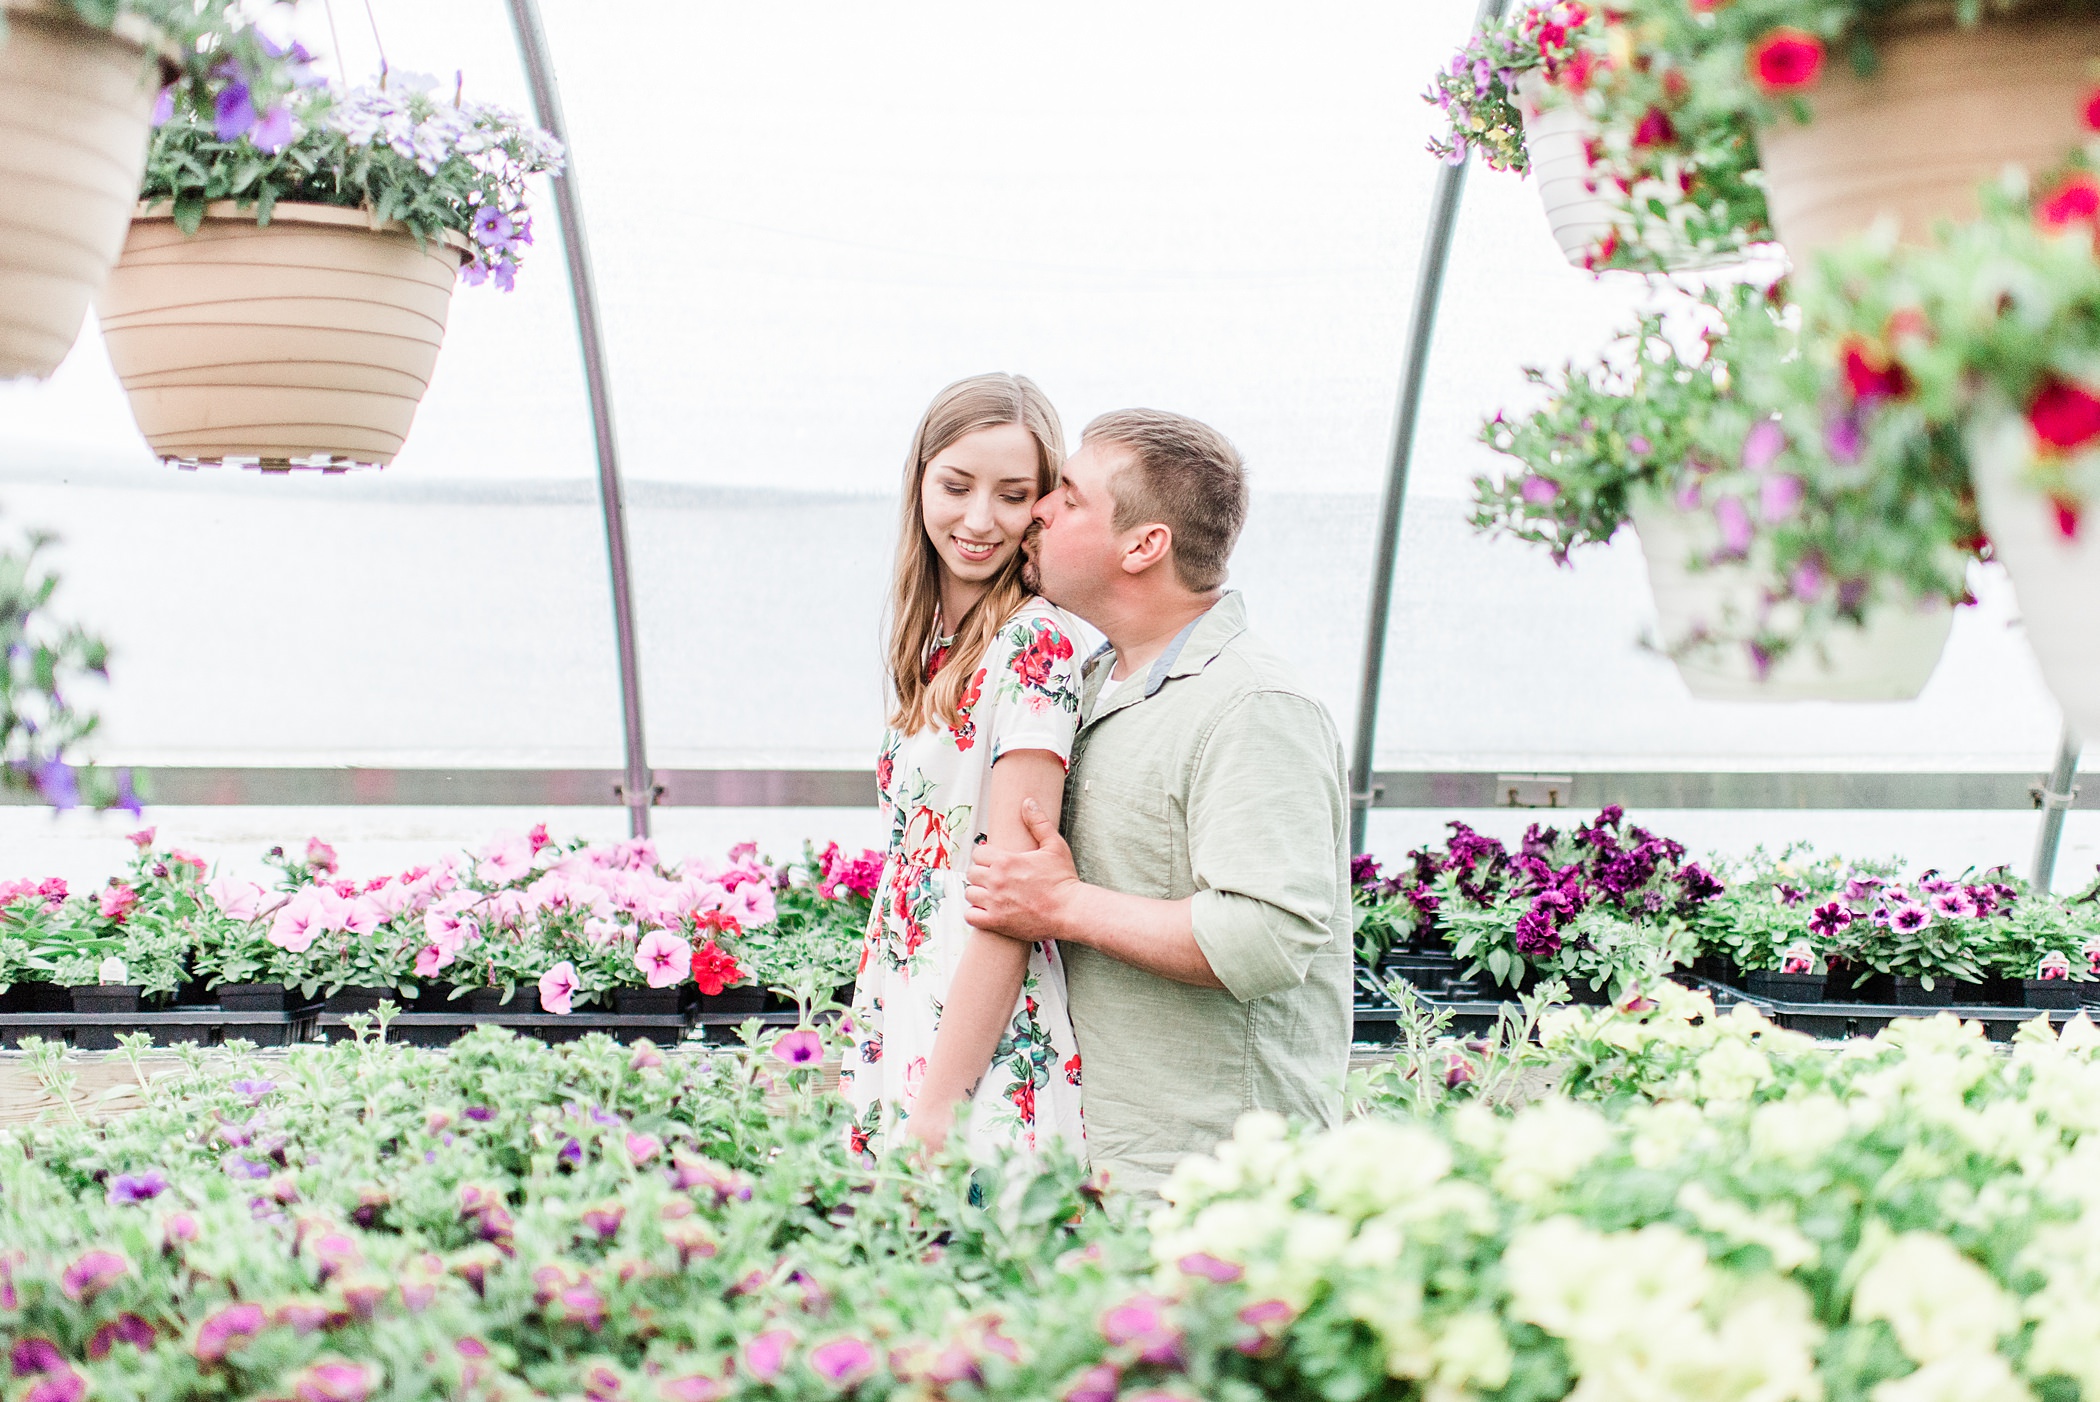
(767, 1354)
(1210, 1268)
(92, 1273)
(227, 1329)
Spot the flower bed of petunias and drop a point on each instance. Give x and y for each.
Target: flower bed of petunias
(1798, 912)
(1614, 908)
(568, 923)
(1706, 1207)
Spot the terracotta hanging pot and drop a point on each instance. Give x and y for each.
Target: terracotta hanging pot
(1946, 110)
(76, 105)
(1889, 658)
(305, 342)
(1583, 209)
(2056, 576)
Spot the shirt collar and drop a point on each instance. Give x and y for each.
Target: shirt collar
(1194, 648)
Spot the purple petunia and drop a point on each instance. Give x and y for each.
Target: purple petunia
(492, 227)
(130, 1189)
(1909, 917)
(234, 111)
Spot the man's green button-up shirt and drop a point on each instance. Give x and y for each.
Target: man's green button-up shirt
(1215, 777)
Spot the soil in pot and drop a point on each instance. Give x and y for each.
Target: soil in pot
(1786, 988)
(107, 998)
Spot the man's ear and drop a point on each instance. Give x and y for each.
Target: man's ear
(1148, 546)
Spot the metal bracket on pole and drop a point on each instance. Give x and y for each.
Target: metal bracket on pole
(2053, 796)
(636, 792)
(1421, 331)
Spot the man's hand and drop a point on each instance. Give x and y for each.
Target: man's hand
(1022, 895)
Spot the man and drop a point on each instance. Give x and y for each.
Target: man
(1202, 905)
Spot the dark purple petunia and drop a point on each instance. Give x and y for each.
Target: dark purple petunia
(34, 1356)
(1363, 870)
(1536, 938)
(1828, 920)
(240, 1166)
(1909, 918)
(1790, 895)
(481, 1114)
(1699, 886)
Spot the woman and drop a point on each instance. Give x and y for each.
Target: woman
(985, 701)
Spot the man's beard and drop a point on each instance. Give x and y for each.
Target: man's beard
(1031, 572)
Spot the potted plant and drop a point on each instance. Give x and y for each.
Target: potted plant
(285, 305)
(1558, 91)
(78, 82)
(90, 947)
(1867, 109)
(1777, 921)
(1792, 554)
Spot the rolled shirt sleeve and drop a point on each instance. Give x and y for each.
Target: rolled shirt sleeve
(1265, 820)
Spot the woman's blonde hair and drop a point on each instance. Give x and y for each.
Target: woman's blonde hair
(982, 401)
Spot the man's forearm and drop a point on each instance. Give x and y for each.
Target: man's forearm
(1153, 935)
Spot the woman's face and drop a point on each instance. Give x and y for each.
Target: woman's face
(977, 498)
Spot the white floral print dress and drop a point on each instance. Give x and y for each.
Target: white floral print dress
(1024, 696)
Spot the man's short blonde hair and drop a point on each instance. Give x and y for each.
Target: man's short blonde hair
(1185, 475)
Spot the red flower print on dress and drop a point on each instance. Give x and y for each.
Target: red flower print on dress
(1048, 647)
(1072, 1070)
(1023, 1096)
(885, 770)
(965, 728)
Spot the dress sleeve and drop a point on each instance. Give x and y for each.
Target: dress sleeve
(1038, 689)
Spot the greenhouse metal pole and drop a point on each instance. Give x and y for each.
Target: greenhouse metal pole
(638, 791)
(2056, 795)
(1421, 331)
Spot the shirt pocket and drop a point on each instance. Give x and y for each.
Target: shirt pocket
(1122, 831)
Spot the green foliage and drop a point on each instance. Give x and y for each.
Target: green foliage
(45, 667)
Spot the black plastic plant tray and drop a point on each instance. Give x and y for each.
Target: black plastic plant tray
(1839, 1020)
(206, 1026)
(443, 1029)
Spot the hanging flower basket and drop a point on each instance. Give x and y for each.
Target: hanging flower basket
(2054, 560)
(75, 108)
(1890, 658)
(1947, 109)
(308, 341)
(1588, 214)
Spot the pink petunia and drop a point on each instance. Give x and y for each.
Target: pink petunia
(802, 1047)
(237, 899)
(557, 986)
(767, 1354)
(665, 958)
(842, 1362)
(303, 919)
(235, 1326)
(92, 1273)
(334, 1382)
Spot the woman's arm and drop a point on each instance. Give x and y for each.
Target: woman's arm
(987, 980)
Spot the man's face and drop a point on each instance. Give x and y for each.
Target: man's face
(1074, 550)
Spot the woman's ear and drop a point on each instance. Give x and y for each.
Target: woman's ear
(1148, 547)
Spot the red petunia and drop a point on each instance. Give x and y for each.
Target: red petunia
(2065, 416)
(2075, 201)
(2092, 110)
(1871, 375)
(1577, 70)
(714, 968)
(1786, 60)
(1655, 129)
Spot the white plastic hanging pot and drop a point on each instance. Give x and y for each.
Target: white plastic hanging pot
(76, 106)
(308, 341)
(2055, 576)
(1583, 209)
(1888, 658)
(1945, 110)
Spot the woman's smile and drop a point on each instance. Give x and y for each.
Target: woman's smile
(973, 551)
